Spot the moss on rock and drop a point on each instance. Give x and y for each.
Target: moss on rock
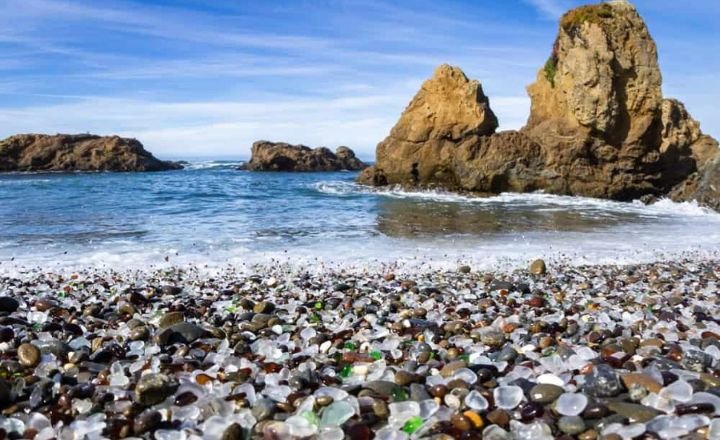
(586, 14)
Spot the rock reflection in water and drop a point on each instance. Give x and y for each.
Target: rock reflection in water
(408, 218)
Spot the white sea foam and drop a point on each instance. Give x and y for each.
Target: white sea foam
(538, 200)
(212, 164)
(365, 235)
(23, 181)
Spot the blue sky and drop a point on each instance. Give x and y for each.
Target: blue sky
(193, 78)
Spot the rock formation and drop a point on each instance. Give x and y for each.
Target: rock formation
(598, 125)
(83, 152)
(271, 156)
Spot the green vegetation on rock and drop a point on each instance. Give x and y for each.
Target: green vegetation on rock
(586, 14)
(550, 70)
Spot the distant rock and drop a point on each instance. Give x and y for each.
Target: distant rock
(598, 126)
(279, 156)
(83, 152)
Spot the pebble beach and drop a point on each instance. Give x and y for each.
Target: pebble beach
(593, 352)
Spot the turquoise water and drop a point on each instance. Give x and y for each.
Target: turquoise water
(212, 214)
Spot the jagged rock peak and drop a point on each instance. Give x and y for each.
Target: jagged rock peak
(448, 105)
(602, 75)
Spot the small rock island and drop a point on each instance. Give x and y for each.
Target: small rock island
(280, 156)
(598, 127)
(79, 152)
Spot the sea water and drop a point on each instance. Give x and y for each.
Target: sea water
(213, 215)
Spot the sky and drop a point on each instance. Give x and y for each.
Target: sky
(206, 78)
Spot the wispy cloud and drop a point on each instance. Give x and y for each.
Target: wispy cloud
(230, 127)
(550, 9)
(205, 77)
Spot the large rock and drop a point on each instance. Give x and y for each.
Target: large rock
(596, 105)
(272, 156)
(702, 186)
(448, 111)
(83, 152)
(598, 111)
(598, 125)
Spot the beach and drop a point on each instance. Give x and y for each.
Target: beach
(280, 351)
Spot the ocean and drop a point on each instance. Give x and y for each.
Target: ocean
(212, 215)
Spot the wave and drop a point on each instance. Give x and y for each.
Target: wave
(536, 200)
(23, 181)
(213, 164)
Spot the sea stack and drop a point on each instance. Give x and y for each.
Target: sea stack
(280, 156)
(81, 152)
(598, 127)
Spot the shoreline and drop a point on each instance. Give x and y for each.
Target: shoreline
(579, 352)
(282, 263)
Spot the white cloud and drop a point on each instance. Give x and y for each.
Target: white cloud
(551, 9)
(177, 129)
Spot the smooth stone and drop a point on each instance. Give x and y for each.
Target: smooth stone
(154, 388)
(641, 379)
(8, 304)
(492, 338)
(263, 409)
(146, 421)
(380, 409)
(633, 412)
(538, 267)
(404, 377)
(5, 393)
(182, 332)
(507, 354)
(233, 432)
(171, 290)
(264, 307)
(461, 422)
(545, 393)
(28, 355)
(139, 333)
(55, 347)
(499, 417)
(502, 285)
(571, 425)
(602, 382)
(530, 411)
(45, 304)
(170, 319)
(381, 387)
(450, 368)
(418, 392)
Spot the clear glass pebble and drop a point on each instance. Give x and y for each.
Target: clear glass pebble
(714, 430)
(679, 391)
(474, 400)
(300, 426)
(508, 397)
(571, 404)
(336, 414)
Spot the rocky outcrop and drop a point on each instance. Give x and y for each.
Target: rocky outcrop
(449, 111)
(272, 156)
(598, 125)
(83, 152)
(702, 187)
